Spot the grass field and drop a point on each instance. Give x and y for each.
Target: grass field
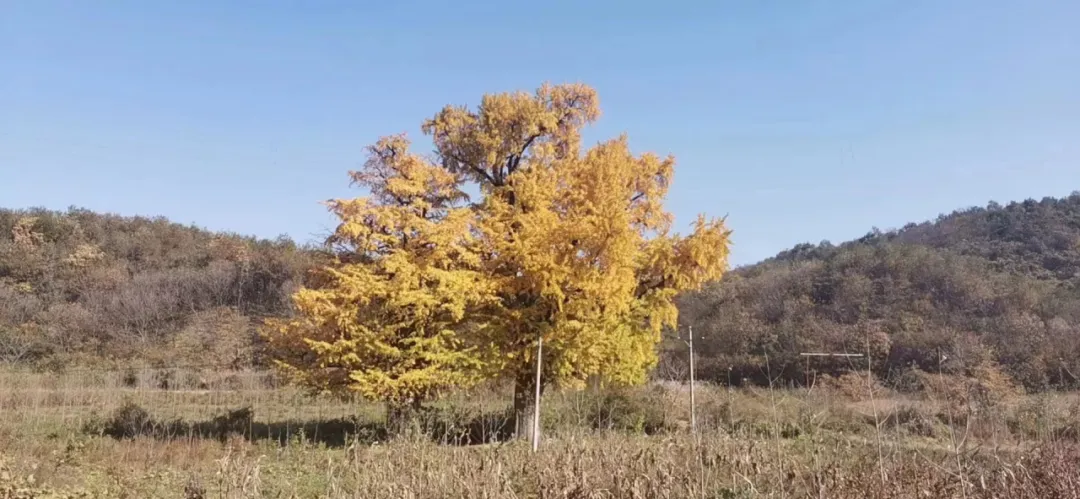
(149, 434)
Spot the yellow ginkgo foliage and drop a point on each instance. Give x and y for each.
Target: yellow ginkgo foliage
(384, 320)
(433, 291)
(576, 245)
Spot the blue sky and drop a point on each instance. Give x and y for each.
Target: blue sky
(800, 120)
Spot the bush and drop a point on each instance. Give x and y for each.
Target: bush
(913, 420)
(715, 413)
(234, 422)
(634, 411)
(128, 421)
(853, 386)
(1032, 418)
(462, 426)
(164, 379)
(129, 378)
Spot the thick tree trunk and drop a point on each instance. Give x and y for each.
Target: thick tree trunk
(524, 404)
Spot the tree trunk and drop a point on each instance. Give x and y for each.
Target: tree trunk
(402, 417)
(524, 403)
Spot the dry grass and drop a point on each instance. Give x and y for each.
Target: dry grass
(239, 435)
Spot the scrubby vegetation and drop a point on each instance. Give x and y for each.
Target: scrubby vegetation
(78, 287)
(93, 435)
(980, 290)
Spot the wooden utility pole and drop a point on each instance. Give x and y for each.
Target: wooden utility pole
(693, 416)
(536, 409)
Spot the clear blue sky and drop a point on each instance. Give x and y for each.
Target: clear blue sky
(801, 120)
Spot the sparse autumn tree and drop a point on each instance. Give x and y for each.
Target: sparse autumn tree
(576, 245)
(383, 323)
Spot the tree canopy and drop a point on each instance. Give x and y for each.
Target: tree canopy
(562, 244)
(383, 321)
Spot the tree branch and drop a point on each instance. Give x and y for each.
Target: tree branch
(515, 159)
(476, 169)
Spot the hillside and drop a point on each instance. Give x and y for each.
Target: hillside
(994, 287)
(78, 285)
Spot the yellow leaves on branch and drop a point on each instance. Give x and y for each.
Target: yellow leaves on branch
(512, 130)
(383, 324)
(432, 290)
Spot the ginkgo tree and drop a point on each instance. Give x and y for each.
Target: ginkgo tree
(569, 247)
(383, 322)
(576, 245)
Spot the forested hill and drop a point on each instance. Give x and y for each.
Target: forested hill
(1039, 239)
(81, 286)
(997, 286)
